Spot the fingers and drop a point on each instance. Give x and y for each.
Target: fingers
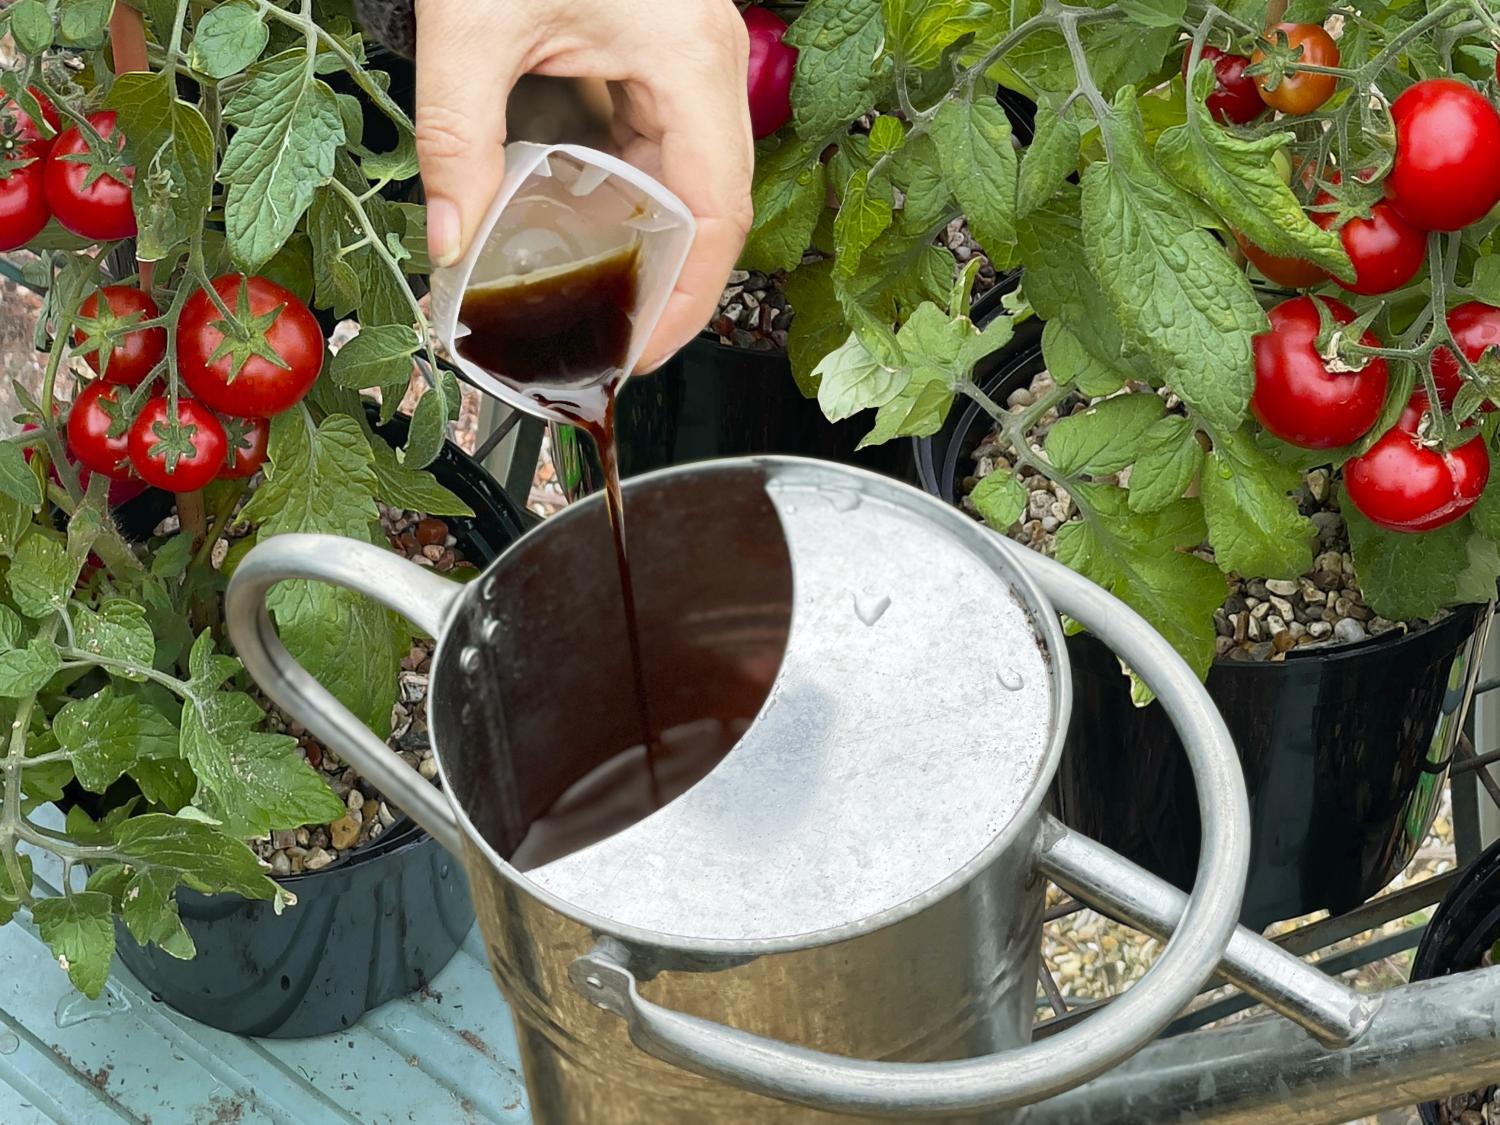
(469, 57)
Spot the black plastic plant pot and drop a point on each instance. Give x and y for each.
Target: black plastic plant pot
(1465, 926)
(373, 927)
(1345, 750)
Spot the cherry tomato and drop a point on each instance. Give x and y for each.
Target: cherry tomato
(19, 132)
(247, 438)
(94, 411)
(136, 353)
(1403, 484)
(181, 470)
(260, 363)
(1235, 99)
(1300, 93)
(772, 63)
(1386, 250)
(1293, 273)
(100, 210)
(1447, 169)
(23, 204)
(1476, 329)
(119, 490)
(1296, 397)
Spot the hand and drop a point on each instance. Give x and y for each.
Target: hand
(676, 69)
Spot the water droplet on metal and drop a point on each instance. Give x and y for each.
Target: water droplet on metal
(842, 499)
(75, 1008)
(869, 608)
(9, 1043)
(468, 660)
(1010, 679)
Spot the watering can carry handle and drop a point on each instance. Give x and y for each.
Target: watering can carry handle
(419, 595)
(1027, 1074)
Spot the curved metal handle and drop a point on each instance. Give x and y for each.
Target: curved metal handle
(1060, 1062)
(418, 595)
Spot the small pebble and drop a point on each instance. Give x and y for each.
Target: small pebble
(345, 830)
(317, 859)
(428, 768)
(281, 866)
(1281, 587)
(1348, 630)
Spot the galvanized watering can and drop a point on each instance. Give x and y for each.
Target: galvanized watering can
(842, 916)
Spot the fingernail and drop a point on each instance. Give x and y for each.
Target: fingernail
(444, 233)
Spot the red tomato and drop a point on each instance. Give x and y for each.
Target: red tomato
(1386, 250)
(119, 490)
(94, 411)
(23, 204)
(184, 471)
(101, 210)
(1293, 273)
(247, 438)
(1447, 169)
(1296, 397)
(260, 363)
(1299, 93)
(19, 132)
(135, 354)
(1235, 100)
(1476, 329)
(772, 64)
(1402, 484)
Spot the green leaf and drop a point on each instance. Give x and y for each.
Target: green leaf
(424, 440)
(1236, 177)
(1155, 13)
(79, 929)
(820, 326)
(1407, 577)
(1486, 283)
(41, 576)
(377, 357)
(1000, 499)
(82, 22)
(12, 629)
(839, 42)
(938, 349)
(1119, 52)
(107, 735)
(919, 31)
(412, 489)
(31, 24)
(317, 479)
(400, 163)
(174, 151)
(15, 521)
(789, 193)
(1135, 556)
(887, 135)
(199, 854)
(1049, 160)
(118, 631)
(1175, 292)
(1069, 362)
(26, 670)
(979, 163)
(1104, 438)
(287, 131)
(171, 559)
(1253, 523)
(10, 894)
(851, 379)
(336, 285)
(228, 39)
(146, 905)
(16, 478)
(862, 218)
(1170, 459)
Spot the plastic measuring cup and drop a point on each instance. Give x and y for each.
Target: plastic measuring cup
(562, 207)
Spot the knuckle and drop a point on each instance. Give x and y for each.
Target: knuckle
(442, 134)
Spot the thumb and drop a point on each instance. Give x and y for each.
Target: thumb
(467, 65)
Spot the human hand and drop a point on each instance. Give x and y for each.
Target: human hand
(676, 70)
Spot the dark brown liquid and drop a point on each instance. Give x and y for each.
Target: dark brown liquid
(551, 336)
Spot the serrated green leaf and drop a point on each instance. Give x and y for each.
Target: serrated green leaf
(1051, 157)
(82, 22)
(424, 440)
(850, 379)
(16, 478)
(10, 893)
(378, 357)
(171, 559)
(31, 25)
(12, 629)
(928, 201)
(1486, 283)
(789, 193)
(1119, 52)
(79, 929)
(979, 164)
(317, 479)
(1254, 526)
(400, 163)
(287, 131)
(1070, 363)
(1174, 291)
(107, 735)
(1000, 499)
(1170, 459)
(412, 489)
(886, 135)
(41, 576)
(336, 285)
(1155, 13)
(919, 31)
(149, 910)
(1104, 438)
(174, 154)
(118, 631)
(26, 670)
(839, 43)
(203, 857)
(228, 39)
(862, 218)
(1407, 577)
(820, 326)
(15, 521)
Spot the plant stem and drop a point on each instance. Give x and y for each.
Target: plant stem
(221, 518)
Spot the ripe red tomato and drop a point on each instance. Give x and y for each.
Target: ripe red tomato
(1447, 169)
(1475, 328)
(1300, 93)
(136, 353)
(1386, 250)
(1296, 397)
(101, 210)
(94, 410)
(18, 131)
(1235, 100)
(772, 64)
(179, 471)
(1293, 273)
(1405, 485)
(23, 204)
(247, 438)
(260, 363)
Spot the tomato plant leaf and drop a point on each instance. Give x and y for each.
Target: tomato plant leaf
(424, 440)
(317, 478)
(16, 478)
(174, 154)
(820, 325)
(928, 200)
(228, 39)
(979, 164)
(862, 218)
(850, 379)
(1407, 577)
(413, 490)
(27, 670)
(82, 22)
(919, 31)
(1000, 499)
(839, 44)
(378, 357)
(10, 893)
(1254, 526)
(1119, 52)
(1069, 362)
(31, 25)
(1169, 461)
(790, 191)
(287, 131)
(41, 576)
(107, 735)
(1155, 13)
(79, 929)
(1049, 159)
(1104, 438)
(119, 631)
(198, 854)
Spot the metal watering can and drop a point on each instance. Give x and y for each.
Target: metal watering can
(843, 916)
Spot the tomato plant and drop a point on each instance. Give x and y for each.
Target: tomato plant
(1236, 98)
(258, 362)
(772, 63)
(182, 457)
(96, 411)
(1299, 93)
(1447, 169)
(1476, 329)
(87, 189)
(1386, 250)
(108, 341)
(23, 203)
(1293, 273)
(247, 441)
(1407, 483)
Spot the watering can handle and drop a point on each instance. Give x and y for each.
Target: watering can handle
(1027, 1074)
(419, 595)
